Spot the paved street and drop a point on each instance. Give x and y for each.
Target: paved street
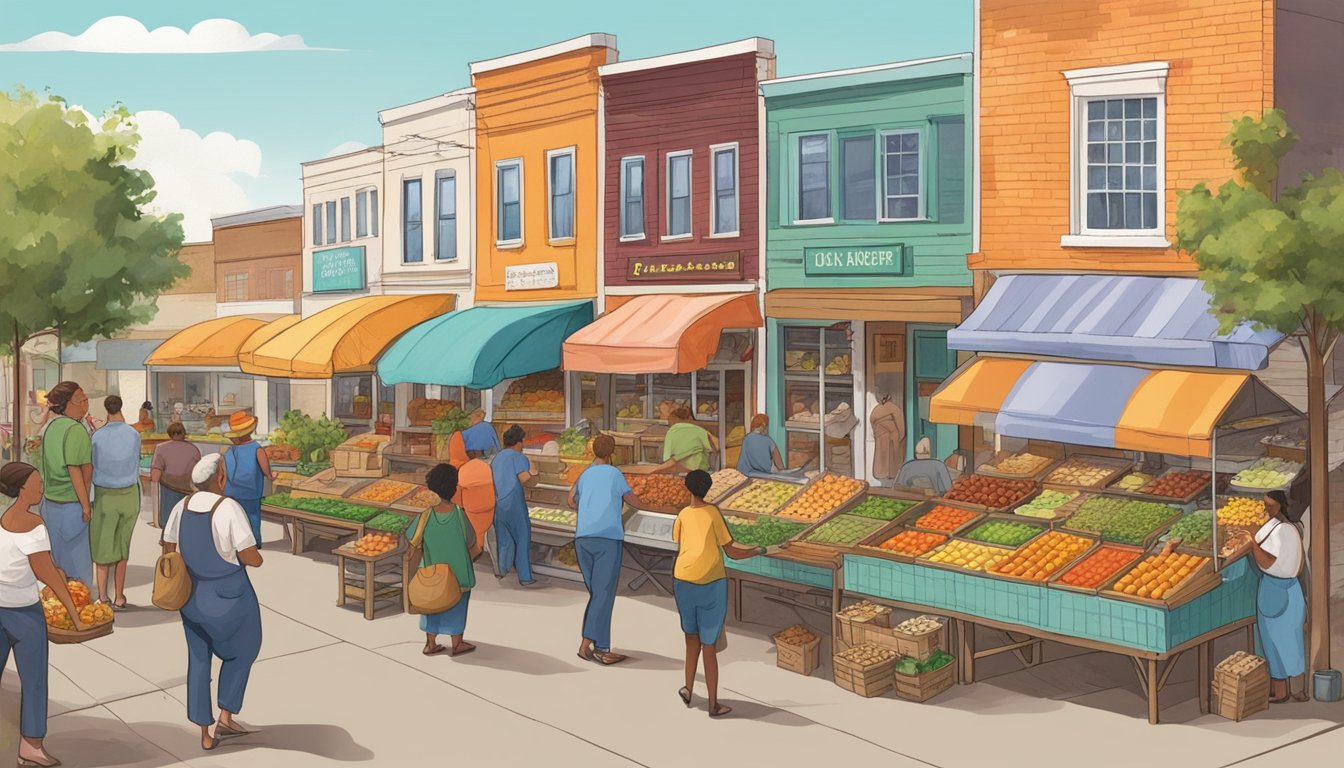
(332, 688)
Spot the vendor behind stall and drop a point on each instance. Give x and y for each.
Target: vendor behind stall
(687, 445)
(480, 436)
(925, 471)
(760, 455)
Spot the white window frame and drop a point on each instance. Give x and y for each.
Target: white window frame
(317, 225)
(514, 162)
(439, 176)
(921, 202)
(714, 151)
(347, 227)
(375, 213)
(329, 219)
(689, 154)
(626, 162)
(1144, 80)
(550, 194)
(361, 214)
(796, 188)
(405, 262)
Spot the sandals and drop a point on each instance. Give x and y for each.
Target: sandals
(719, 710)
(607, 658)
(685, 695)
(462, 649)
(434, 650)
(224, 730)
(210, 745)
(27, 763)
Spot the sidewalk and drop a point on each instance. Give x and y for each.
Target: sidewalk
(333, 688)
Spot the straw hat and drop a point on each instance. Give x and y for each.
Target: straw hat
(241, 423)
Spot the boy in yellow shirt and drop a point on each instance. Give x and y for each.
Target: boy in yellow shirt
(701, 584)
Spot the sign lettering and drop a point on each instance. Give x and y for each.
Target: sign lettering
(338, 269)
(711, 267)
(532, 277)
(854, 261)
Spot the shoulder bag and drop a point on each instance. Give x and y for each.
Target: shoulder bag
(431, 589)
(172, 582)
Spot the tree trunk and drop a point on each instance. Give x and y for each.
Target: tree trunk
(16, 442)
(1318, 456)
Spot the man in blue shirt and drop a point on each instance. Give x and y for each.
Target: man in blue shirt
(116, 498)
(513, 529)
(480, 436)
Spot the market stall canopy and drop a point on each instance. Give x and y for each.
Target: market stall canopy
(80, 353)
(479, 347)
(125, 354)
(346, 338)
(660, 334)
(210, 344)
(1107, 406)
(1118, 318)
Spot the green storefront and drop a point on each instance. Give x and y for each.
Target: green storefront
(868, 224)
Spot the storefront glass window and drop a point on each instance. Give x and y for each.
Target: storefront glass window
(819, 397)
(235, 394)
(592, 400)
(353, 397)
(631, 392)
(670, 392)
(185, 394)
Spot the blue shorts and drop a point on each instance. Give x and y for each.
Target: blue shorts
(703, 608)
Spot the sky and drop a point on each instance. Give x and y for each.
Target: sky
(224, 132)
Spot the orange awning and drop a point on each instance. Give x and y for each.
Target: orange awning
(979, 389)
(660, 334)
(213, 343)
(346, 338)
(1176, 412)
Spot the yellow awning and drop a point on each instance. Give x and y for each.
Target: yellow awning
(980, 389)
(1176, 412)
(346, 338)
(211, 344)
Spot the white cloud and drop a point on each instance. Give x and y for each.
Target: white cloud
(123, 34)
(346, 148)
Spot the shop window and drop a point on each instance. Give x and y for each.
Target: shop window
(509, 202)
(902, 197)
(560, 185)
(374, 213)
(331, 222)
(724, 198)
(317, 224)
(679, 194)
(819, 397)
(632, 198)
(859, 161)
(235, 286)
(445, 234)
(814, 177)
(362, 214)
(536, 402)
(345, 219)
(413, 241)
(932, 362)
(951, 169)
(592, 401)
(235, 394)
(353, 396)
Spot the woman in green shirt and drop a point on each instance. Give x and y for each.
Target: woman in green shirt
(448, 539)
(687, 445)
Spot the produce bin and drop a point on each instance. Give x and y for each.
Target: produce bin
(803, 658)
(851, 627)
(921, 646)
(60, 636)
(926, 685)
(867, 680)
(1240, 686)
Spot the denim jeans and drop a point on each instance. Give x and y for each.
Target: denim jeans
(600, 563)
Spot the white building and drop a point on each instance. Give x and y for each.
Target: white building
(342, 230)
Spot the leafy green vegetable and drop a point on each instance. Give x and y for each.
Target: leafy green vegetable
(389, 522)
(314, 440)
(340, 510)
(1124, 521)
(308, 468)
(1195, 528)
(907, 666)
(1003, 532)
(449, 422)
(573, 442)
(938, 660)
(881, 508)
(765, 532)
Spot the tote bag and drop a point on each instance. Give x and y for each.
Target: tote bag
(172, 582)
(434, 588)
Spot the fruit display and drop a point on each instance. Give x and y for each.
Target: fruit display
(375, 544)
(1268, 474)
(1081, 472)
(761, 497)
(1132, 481)
(1098, 568)
(844, 531)
(540, 392)
(340, 510)
(423, 497)
(389, 522)
(867, 655)
(1242, 512)
(1125, 521)
(1005, 533)
(664, 491)
(863, 611)
(839, 365)
(1021, 464)
(1194, 529)
(913, 543)
(795, 635)
(384, 492)
(882, 508)
(1040, 559)
(1159, 574)
(1046, 504)
(991, 492)
(762, 532)
(1179, 484)
(822, 497)
(725, 480)
(969, 555)
(565, 517)
(945, 519)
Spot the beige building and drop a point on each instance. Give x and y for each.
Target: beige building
(342, 230)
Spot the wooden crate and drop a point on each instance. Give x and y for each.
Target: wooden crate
(870, 681)
(851, 629)
(1241, 700)
(926, 685)
(921, 647)
(801, 658)
(352, 461)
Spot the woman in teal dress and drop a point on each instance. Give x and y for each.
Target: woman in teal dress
(448, 539)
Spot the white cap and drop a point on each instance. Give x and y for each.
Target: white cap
(206, 468)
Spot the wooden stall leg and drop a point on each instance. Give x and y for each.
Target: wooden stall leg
(340, 581)
(1250, 638)
(1153, 687)
(1202, 679)
(967, 637)
(736, 585)
(368, 590)
(296, 540)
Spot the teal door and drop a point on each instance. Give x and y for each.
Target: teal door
(929, 361)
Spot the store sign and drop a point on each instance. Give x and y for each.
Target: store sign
(855, 261)
(710, 266)
(338, 269)
(532, 277)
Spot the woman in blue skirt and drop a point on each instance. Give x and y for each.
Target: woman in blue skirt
(447, 538)
(1280, 609)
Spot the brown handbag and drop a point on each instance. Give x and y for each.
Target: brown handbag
(172, 582)
(434, 588)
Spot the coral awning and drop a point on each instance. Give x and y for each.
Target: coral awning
(660, 334)
(211, 344)
(346, 338)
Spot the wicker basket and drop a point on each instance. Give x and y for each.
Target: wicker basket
(60, 636)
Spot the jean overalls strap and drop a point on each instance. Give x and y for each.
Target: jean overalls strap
(243, 470)
(196, 540)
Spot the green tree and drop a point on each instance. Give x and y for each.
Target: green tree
(79, 253)
(1278, 261)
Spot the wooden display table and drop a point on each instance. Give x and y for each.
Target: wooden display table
(370, 579)
(323, 527)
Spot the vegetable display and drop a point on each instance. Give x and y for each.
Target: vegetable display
(882, 508)
(1003, 533)
(969, 555)
(1268, 474)
(991, 492)
(913, 543)
(910, 667)
(340, 510)
(845, 530)
(1132, 482)
(762, 497)
(314, 440)
(573, 442)
(1195, 528)
(390, 522)
(1125, 521)
(1040, 559)
(763, 532)
(1046, 504)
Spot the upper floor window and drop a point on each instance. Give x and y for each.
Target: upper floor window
(235, 286)
(814, 177)
(445, 234)
(679, 194)
(509, 202)
(345, 219)
(413, 240)
(858, 184)
(632, 198)
(902, 187)
(331, 221)
(317, 224)
(362, 213)
(374, 213)
(1118, 156)
(725, 194)
(560, 182)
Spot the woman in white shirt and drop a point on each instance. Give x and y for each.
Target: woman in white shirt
(1280, 607)
(25, 558)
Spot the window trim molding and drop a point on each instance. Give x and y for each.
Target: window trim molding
(572, 151)
(404, 241)
(714, 150)
(621, 191)
(667, 235)
(439, 176)
(921, 196)
(1140, 80)
(515, 162)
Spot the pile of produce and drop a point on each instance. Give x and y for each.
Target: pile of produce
(845, 530)
(763, 532)
(1242, 512)
(1004, 533)
(282, 454)
(543, 392)
(910, 667)
(762, 497)
(1234, 542)
(1195, 528)
(1268, 473)
(375, 544)
(913, 543)
(969, 555)
(90, 614)
(795, 635)
(1080, 472)
(1126, 521)
(920, 625)
(1097, 568)
(863, 611)
(1238, 665)
(310, 468)
(385, 492)
(1177, 485)
(724, 481)
(1045, 505)
(313, 440)
(867, 655)
(945, 519)
(839, 365)
(1132, 482)
(566, 517)
(1159, 574)
(340, 510)
(389, 522)
(825, 495)
(881, 508)
(1025, 464)
(665, 491)
(1040, 559)
(573, 443)
(423, 497)
(991, 492)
